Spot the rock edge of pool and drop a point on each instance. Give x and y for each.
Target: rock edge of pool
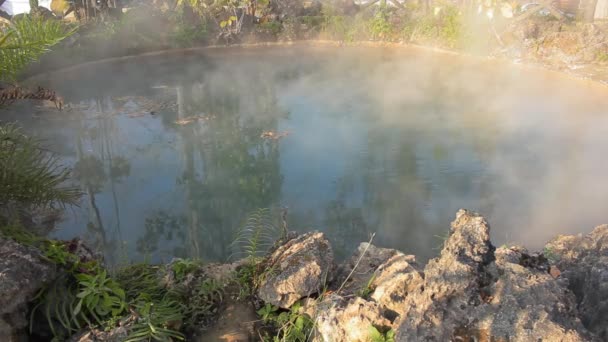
(573, 73)
(473, 291)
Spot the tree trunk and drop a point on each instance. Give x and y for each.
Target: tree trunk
(588, 10)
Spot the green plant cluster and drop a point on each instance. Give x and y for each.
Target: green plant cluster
(85, 295)
(443, 27)
(199, 22)
(387, 23)
(286, 325)
(376, 335)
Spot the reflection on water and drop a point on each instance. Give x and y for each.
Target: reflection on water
(172, 153)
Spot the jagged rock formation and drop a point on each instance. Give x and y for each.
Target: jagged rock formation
(341, 319)
(385, 275)
(472, 291)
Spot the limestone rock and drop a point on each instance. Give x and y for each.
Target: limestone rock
(341, 320)
(386, 274)
(23, 272)
(367, 258)
(471, 292)
(583, 261)
(395, 280)
(297, 269)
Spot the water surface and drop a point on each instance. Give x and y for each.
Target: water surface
(172, 155)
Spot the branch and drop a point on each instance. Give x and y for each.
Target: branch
(398, 4)
(368, 5)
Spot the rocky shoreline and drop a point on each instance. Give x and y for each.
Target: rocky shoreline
(473, 291)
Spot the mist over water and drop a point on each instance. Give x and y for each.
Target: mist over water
(379, 140)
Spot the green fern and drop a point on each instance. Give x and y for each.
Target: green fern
(26, 41)
(257, 236)
(30, 175)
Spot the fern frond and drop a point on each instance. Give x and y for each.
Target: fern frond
(256, 237)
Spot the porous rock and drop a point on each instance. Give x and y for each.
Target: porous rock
(340, 320)
(471, 292)
(386, 275)
(297, 269)
(23, 272)
(583, 262)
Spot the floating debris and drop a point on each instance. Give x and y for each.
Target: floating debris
(136, 115)
(272, 135)
(191, 119)
(8, 95)
(148, 105)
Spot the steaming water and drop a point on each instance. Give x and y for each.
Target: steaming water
(385, 141)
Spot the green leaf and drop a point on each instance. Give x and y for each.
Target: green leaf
(83, 294)
(5, 37)
(300, 323)
(374, 335)
(78, 307)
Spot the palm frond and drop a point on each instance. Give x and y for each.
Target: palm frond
(30, 175)
(26, 41)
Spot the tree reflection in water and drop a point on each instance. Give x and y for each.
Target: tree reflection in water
(228, 169)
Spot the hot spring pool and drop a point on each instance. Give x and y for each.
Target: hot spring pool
(173, 151)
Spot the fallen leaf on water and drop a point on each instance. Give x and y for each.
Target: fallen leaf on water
(183, 122)
(272, 135)
(192, 119)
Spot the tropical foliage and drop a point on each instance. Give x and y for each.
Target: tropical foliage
(25, 41)
(286, 325)
(30, 174)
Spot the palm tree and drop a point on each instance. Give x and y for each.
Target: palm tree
(25, 41)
